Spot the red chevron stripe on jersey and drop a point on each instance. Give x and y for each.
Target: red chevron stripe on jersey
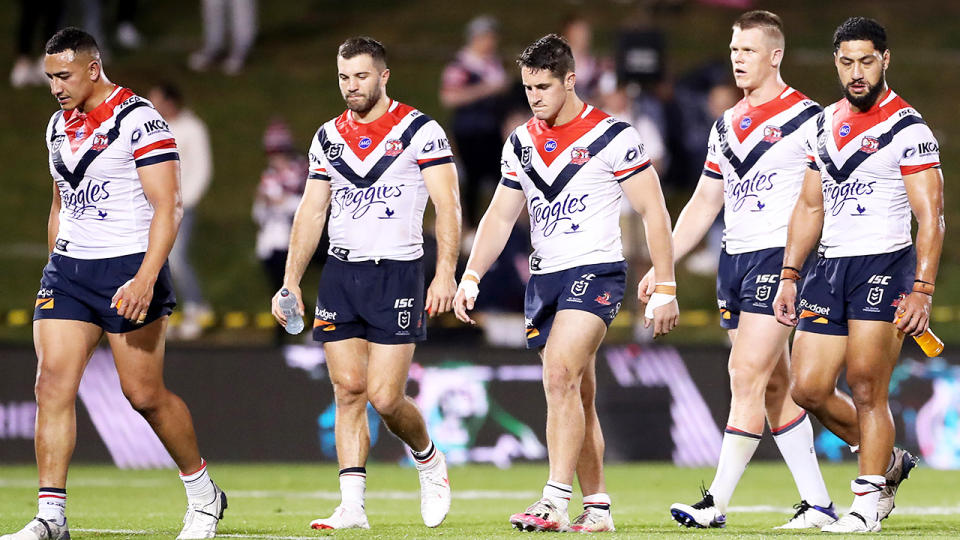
(746, 118)
(364, 138)
(78, 126)
(848, 122)
(552, 142)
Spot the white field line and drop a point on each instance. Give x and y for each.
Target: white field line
(911, 510)
(89, 482)
(220, 535)
(392, 495)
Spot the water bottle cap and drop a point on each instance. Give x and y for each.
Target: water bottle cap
(284, 292)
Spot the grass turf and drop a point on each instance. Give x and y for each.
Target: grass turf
(279, 500)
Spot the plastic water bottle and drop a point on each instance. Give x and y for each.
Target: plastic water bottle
(288, 305)
(932, 345)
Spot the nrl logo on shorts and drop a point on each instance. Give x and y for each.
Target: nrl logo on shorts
(579, 287)
(875, 296)
(393, 147)
(403, 319)
(334, 151)
(579, 156)
(525, 155)
(763, 292)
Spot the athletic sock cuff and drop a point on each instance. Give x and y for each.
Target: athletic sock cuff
(354, 471)
(426, 455)
(789, 426)
(58, 491)
(736, 431)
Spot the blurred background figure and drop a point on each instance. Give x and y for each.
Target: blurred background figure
(46, 17)
(595, 76)
(241, 17)
(125, 34)
(278, 195)
(473, 85)
(196, 170)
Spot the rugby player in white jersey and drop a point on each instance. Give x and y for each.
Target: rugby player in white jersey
(114, 217)
(872, 159)
(755, 163)
(373, 168)
(571, 164)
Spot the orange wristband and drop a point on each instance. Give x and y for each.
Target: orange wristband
(923, 287)
(790, 273)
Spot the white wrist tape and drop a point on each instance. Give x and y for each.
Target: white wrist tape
(470, 288)
(659, 299)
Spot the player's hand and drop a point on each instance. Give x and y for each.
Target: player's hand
(785, 304)
(132, 299)
(645, 288)
(463, 302)
(440, 295)
(913, 313)
(665, 318)
(275, 303)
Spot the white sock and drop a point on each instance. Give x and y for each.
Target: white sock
(600, 501)
(735, 452)
(353, 485)
(52, 504)
(867, 490)
(425, 459)
(795, 441)
(559, 494)
(199, 485)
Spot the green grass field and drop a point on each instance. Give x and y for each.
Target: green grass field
(278, 501)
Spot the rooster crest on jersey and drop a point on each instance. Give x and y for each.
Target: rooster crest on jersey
(579, 156)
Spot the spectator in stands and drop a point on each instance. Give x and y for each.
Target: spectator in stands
(595, 76)
(196, 170)
(242, 20)
(27, 68)
(473, 86)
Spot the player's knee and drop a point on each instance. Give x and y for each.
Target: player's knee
(144, 399)
(51, 388)
(809, 395)
(386, 402)
(350, 392)
(865, 388)
(561, 380)
(745, 381)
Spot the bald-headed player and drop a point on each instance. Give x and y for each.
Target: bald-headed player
(114, 218)
(372, 169)
(872, 159)
(755, 164)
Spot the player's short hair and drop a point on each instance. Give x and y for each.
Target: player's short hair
(356, 46)
(769, 22)
(552, 53)
(861, 28)
(74, 39)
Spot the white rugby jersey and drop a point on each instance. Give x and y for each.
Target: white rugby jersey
(93, 159)
(862, 158)
(760, 154)
(570, 175)
(377, 191)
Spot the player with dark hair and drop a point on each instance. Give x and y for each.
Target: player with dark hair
(872, 159)
(756, 158)
(114, 218)
(373, 168)
(571, 164)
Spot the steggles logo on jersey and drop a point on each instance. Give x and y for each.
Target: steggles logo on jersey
(393, 147)
(772, 134)
(869, 144)
(548, 216)
(80, 202)
(836, 196)
(359, 201)
(748, 188)
(100, 142)
(579, 156)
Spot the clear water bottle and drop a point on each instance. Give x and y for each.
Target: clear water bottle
(288, 305)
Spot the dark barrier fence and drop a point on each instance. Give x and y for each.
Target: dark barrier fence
(482, 405)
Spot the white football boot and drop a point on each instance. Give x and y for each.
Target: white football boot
(540, 516)
(201, 520)
(40, 529)
(434, 490)
(344, 517)
(903, 463)
(852, 522)
(701, 515)
(810, 516)
(593, 520)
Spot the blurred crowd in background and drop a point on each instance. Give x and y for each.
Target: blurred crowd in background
(479, 86)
